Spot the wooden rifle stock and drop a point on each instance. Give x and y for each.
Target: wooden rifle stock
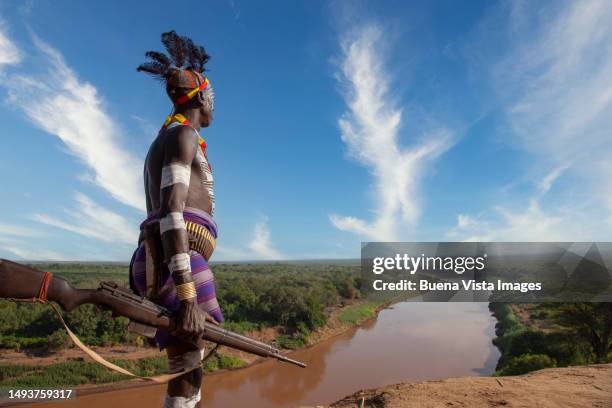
(22, 282)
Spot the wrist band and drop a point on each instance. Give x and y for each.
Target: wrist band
(186, 291)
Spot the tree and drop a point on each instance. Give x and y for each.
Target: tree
(591, 322)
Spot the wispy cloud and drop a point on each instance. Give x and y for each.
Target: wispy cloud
(92, 220)
(18, 231)
(556, 81)
(9, 53)
(30, 254)
(370, 129)
(17, 240)
(258, 247)
(261, 243)
(555, 85)
(72, 110)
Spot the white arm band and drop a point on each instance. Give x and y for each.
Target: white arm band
(174, 174)
(180, 262)
(172, 221)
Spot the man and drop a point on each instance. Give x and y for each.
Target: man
(178, 237)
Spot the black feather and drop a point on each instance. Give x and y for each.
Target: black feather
(156, 69)
(202, 58)
(159, 57)
(181, 50)
(191, 58)
(175, 45)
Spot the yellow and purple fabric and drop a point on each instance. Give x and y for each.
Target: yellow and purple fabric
(202, 275)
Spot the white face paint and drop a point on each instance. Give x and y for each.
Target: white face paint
(174, 174)
(180, 262)
(172, 221)
(209, 97)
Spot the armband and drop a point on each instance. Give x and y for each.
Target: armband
(174, 174)
(180, 263)
(172, 221)
(186, 291)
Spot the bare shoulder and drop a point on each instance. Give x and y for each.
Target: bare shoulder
(180, 141)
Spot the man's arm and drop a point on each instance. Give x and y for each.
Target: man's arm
(175, 177)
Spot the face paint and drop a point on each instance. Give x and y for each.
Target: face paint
(209, 97)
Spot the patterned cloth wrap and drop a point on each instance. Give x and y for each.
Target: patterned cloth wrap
(202, 275)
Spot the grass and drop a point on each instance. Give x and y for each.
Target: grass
(78, 372)
(358, 313)
(220, 361)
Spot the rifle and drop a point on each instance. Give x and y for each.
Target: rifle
(22, 282)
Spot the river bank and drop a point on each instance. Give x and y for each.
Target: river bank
(579, 386)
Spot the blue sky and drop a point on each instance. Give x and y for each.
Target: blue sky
(335, 123)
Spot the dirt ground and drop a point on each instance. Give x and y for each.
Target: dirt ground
(582, 386)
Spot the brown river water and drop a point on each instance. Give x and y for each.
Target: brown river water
(409, 342)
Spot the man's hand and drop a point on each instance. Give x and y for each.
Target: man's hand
(190, 321)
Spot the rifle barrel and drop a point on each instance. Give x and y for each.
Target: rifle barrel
(280, 357)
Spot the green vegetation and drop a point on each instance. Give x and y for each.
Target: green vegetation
(528, 362)
(220, 361)
(358, 313)
(79, 372)
(551, 335)
(590, 323)
(76, 372)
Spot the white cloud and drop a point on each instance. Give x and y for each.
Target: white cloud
(16, 240)
(261, 243)
(529, 224)
(259, 246)
(92, 220)
(370, 130)
(71, 109)
(9, 53)
(555, 85)
(17, 231)
(30, 254)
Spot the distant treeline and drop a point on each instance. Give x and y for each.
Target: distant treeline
(252, 296)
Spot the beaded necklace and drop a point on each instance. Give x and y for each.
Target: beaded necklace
(184, 121)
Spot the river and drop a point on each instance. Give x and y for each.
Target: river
(411, 341)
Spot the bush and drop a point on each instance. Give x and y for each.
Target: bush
(221, 361)
(58, 340)
(555, 345)
(526, 363)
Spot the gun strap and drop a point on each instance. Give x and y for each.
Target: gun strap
(161, 379)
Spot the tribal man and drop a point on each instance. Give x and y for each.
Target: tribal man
(178, 237)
